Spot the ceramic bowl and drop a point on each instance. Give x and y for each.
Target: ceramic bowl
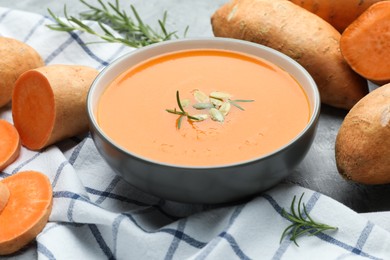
(214, 184)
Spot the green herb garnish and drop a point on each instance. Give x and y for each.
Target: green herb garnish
(182, 113)
(217, 104)
(132, 32)
(234, 102)
(300, 225)
(236, 105)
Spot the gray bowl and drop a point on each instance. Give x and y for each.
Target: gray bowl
(216, 184)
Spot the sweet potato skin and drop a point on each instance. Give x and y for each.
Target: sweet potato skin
(339, 13)
(16, 58)
(300, 34)
(362, 144)
(75, 116)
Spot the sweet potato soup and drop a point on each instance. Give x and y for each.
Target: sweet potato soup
(203, 108)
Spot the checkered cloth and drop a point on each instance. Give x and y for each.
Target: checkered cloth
(97, 215)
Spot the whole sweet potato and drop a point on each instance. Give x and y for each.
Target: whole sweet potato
(363, 140)
(339, 13)
(300, 34)
(16, 58)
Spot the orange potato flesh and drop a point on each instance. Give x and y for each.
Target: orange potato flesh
(33, 108)
(4, 195)
(27, 211)
(9, 144)
(365, 44)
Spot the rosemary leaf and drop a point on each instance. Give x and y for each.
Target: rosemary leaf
(178, 102)
(285, 232)
(308, 216)
(193, 118)
(106, 31)
(243, 100)
(179, 120)
(174, 111)
(236, 105)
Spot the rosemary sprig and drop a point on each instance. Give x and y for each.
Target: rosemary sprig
(300, 225)
(182, 113)
(132, 32)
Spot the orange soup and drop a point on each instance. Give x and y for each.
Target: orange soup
(268, 108)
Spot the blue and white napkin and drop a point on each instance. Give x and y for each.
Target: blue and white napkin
(97, 215)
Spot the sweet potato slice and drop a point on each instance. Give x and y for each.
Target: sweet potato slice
(4, 195)
(365, 44)
(9, 144)
(49, 104)
(16, 58)
(27, 211)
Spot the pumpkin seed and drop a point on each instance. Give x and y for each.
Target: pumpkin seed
(216, 102)
(225, 108)
(216, 115)
(203, 105)
(220, 95)
(185, 102)
(201, 97)
(200, 117)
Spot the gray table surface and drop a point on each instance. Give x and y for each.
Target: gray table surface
(318, 171)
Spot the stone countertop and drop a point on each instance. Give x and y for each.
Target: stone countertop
(318, 170)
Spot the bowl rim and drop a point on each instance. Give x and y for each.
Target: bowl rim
(311, 123)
